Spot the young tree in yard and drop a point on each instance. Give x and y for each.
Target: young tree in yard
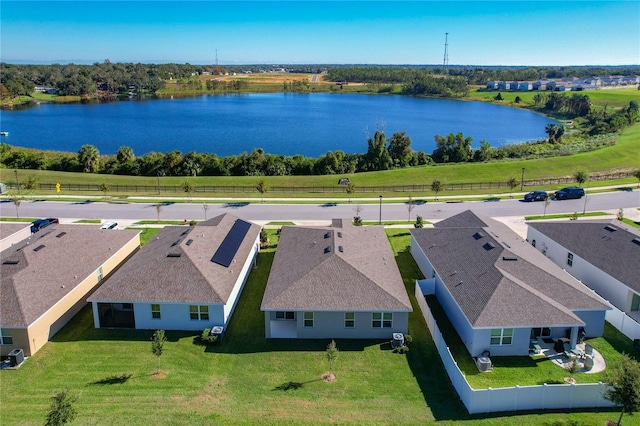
(623, 378)
(262, 187)
(410, 206)
(157, 346)
(636, 175)
(16, 200)
(62, 410)
(512, 182)
(332, 354)
(158, 210)
(104, 188)
(547, 201)
(419, 222)
(436, 186)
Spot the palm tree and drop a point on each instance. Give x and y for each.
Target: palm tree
(125, 154)
(89, 158)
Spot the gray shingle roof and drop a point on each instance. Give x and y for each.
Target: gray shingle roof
(171, 268)
(497, 278)
(341, 269)
(41, 278)
(8, 228)
(608, 245)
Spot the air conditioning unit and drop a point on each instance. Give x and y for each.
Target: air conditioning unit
(483, 363)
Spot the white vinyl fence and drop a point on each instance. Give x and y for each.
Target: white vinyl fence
(514, 398)
(623, 322)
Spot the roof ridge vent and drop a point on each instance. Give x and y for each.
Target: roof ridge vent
(40, 247)
(509, 258)
(610, 228)
(61, 234)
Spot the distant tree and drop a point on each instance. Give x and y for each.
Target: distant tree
(623, 378)
(332, 354)
(410, 206)
(636, 175)
(350, 189)
(400, 149)
(61, 410)
(512, 182)
(262, 187)
(436, 186)
(581, 177)
(555, 132)
(498, 97)
(518, 99)
(157, 346)
(631, 112)
(125, 154)
(188, 187)
(89, 158)
(377, 156)
(419, 222)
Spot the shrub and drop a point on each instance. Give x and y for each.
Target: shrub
(207, 338)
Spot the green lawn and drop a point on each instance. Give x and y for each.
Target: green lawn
(248, 379)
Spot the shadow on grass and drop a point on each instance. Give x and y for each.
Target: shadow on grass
(82, 202)
(292, 385)
(113, 380)
(234, 205)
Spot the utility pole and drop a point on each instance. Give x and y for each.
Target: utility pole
(445, 62)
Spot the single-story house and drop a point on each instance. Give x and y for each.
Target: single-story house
(604, 255)
(47, 277)
(498, 292)
(335, 282)
(186, 278)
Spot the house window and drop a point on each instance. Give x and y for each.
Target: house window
(501, 336)
(100, 274)
(285, 315)
(540, 332)
(5, 337)
(199, 312)
(349, 319)
(382, 320)
(155, 311)
(570, 259)
(308, 319)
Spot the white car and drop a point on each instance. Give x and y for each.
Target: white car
(109, 225)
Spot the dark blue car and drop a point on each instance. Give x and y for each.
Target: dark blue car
(37, 225)
(569, 192)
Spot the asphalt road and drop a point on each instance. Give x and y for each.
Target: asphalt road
(314, 212)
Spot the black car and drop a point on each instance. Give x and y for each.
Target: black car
(569, 192)
(536, 196)
(37, 225)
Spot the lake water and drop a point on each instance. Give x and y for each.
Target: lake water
(279, 123)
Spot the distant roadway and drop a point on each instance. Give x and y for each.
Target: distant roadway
(315, 212)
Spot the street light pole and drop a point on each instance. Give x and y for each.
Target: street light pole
(522, 180)
(17, 183)
(380, 217)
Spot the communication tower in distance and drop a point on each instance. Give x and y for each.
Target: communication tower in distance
(445, 62)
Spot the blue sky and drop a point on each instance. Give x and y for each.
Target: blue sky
(303, 32)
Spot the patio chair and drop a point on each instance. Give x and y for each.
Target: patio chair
(588, 349)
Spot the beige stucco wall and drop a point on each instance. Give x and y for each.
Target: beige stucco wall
(45, 327)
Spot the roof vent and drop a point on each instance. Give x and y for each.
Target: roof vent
(340, 249)
(189, 241)
(40, 247)
(61, 234)
(174, 255)
(509, 258)
(186, 232)
(327, 235)
(327, 249)
(478, 235)
(611, 228)
(339, 234)
(636, 241)
(504, 243)
(11, 262)
(176, 242)
(45, 234)
(489, 246)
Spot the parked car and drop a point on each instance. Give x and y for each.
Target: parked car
(569, 192)
(109, 225)
(37, 225)
(536, 196)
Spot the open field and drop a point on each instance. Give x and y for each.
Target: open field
(248, 379)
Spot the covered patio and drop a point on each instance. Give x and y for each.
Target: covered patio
(589, 359)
